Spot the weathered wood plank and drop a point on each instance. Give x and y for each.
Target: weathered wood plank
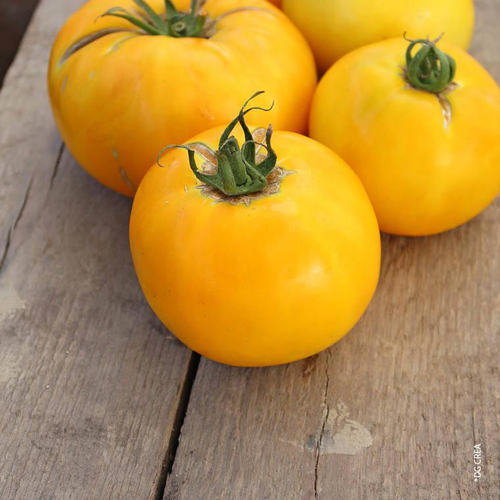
(90, 383)
(391, 412)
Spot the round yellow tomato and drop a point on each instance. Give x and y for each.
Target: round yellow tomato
(335, 27)
(263, 278)
(121, 88)
(429, 161)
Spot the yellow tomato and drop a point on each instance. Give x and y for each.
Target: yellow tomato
(276, 2)
(119, 93)
(262, 279)
(428, 161)
(335, 27)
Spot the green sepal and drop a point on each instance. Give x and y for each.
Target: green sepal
(267, 165)
(430, 69)
(177, 24)
(237, 171)
(124, 14)
(170, 9)
(151, 14)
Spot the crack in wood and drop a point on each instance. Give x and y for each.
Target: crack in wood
(10, 232)
(56, 166)
(5, 251)
(173, 441)
(23, 205)
(326, 414)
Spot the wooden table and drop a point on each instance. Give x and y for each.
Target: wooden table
(98, 401)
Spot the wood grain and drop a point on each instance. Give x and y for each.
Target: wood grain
(392, 411)
(91, 385)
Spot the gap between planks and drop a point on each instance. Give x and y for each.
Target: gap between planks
(173, 441)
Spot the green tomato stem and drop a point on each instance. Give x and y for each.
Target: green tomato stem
(430, 69)
(238, 172)
(173, 23)
(176, 24)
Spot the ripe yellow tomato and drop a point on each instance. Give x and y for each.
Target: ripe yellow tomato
(259, 279)
(429, 161)
(335, 27)
(119, 93)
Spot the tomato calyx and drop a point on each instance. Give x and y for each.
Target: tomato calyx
(174, 23)
(430, 69)
(238, 171)
(192, 24)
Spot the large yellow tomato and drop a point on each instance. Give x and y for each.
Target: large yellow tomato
(335, 27)
(271, 275)
(122, 88)
(424, 140)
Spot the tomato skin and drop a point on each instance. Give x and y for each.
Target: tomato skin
(119, 100)
(423, 177)
(265, 284)
(335, 27)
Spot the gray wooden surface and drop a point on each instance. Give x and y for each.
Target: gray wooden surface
(93, 390)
